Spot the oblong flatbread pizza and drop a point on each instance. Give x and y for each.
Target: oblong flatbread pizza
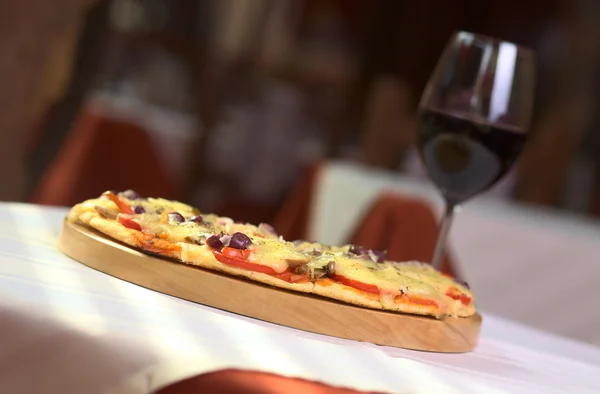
(349, 273)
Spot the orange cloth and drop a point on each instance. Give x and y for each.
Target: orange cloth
(403, 226)
(250, 382)
(102, 154)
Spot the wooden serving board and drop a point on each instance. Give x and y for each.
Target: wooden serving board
(288, 308)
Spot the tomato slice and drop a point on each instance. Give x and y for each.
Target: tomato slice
(457, 295)
(408, 299)
(356, 284)
(149, 243)
(122, 205)
(239, 258)
(128, 222)
(291, 277)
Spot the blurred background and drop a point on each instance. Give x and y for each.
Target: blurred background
(231, 105)
(225, 103)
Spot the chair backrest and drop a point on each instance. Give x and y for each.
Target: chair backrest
(102, 154)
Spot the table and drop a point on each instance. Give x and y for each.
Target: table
(498, 246)
(66, 328)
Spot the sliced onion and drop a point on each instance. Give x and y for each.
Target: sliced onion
(267, 229)
(377, 255)
(131, 195)
(214, 242)
(175, 217)
(296, 262)
(224, 221)
(107, 213)
(463, 283)
(314, 251)
(358, 250)
(196, 219)
(316, 273)
(301, 269)
(381, 255)
(225, 239)
(330, 268)
(239, 241)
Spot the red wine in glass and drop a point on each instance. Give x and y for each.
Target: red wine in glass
(465, 157)
(474, 117)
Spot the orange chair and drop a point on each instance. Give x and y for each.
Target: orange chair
(101, 154)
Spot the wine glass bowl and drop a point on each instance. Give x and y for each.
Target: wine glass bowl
(474, 116)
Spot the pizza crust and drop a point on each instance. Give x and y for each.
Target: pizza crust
(350, 295)
(116, 231)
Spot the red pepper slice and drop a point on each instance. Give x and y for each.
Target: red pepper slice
(455, 294)
(128, 222)
(122, 205)
(291, 277)
(239, 259)
(408, 299)
(356, 284)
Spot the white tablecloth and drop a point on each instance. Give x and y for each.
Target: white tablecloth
(530, 265)
(65, 328)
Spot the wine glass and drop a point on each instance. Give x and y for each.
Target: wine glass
(474, 116)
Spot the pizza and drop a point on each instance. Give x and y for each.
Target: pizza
(350, 273)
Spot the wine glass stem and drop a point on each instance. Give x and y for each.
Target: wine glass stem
(440, 245)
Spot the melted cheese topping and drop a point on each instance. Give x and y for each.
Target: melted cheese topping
(190, 254)
(184, 232)
(315, 246)
(428, 274)
(387, 278)
(276, 254)
(101, 202)
(391, 278)
(268, 249)
(166, 205)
